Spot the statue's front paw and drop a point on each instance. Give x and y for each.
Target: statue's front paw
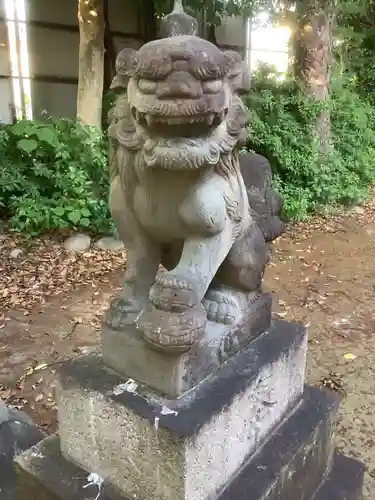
(122, 312)
(226, 306)
(221, 311)
(171, 331)
(173, 293)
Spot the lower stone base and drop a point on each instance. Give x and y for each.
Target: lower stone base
(17, 434)
(128, 354)
(289, 466)
(344, 482)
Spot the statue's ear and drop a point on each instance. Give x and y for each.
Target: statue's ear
(126, 62)
(232, 58)
(238, 72)
(245, 84)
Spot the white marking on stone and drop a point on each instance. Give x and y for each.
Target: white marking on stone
(94, 479)
(129, 386)
(167, 411)
(138, 318)
(37, 453)
(156, 423)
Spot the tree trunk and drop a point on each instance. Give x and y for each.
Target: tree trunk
(148, 15)
(314, 56)
(91, 62)
(110, 50)
(211, 34)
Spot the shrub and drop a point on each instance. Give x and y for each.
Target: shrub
(282, 128)
(53, 175)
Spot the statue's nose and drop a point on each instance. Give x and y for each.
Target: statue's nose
(180, 85)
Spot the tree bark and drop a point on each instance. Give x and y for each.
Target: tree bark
(91, 62)
(314, 56)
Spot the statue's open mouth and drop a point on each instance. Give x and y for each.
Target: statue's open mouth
(179, 126)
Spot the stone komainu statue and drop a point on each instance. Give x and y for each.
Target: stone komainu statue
(181, 194)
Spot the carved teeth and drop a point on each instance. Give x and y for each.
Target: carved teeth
(174, 120)
(210, 119)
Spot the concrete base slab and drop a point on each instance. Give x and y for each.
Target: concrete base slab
(289, 466)
(127, 353)
(17, 434)
(344, 482)
(154, 448)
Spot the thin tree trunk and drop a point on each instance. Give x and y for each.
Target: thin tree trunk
(211, 36)
(110, 50)
(91, 61)
(148, 13)
(314, 56)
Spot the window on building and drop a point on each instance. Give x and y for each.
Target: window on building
(267, 44)
(15, 16)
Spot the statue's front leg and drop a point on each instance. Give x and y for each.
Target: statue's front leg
(176, 296)
(143, 259)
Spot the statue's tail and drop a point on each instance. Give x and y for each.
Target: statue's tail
(265, 204)
(178, 22)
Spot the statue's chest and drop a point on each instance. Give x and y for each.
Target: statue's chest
(157, 202)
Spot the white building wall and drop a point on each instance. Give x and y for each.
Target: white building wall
(5, 87)
(232, 34)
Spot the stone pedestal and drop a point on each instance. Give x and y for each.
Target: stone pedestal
(128, 354)
(250, 430)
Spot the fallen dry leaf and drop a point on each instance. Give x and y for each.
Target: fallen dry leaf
(49, 270)
(282, 314)
(40, 366)
(350, 356)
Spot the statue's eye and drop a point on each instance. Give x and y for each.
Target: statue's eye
(212, 86)
(147, 86)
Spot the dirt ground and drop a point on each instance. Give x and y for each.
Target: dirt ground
(322, 274)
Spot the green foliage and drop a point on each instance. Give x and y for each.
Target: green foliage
(53, 175)
(282, 128)
(355, 47)
(216, 10)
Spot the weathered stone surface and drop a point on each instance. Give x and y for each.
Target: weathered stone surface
(128, 354)
(12, 414)
(44, 474)
(152, 447)
(4, 414)
(77, 243)
(17, 434)
(109, 243)
(294, 456)
(344, 482)
(292, 464)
